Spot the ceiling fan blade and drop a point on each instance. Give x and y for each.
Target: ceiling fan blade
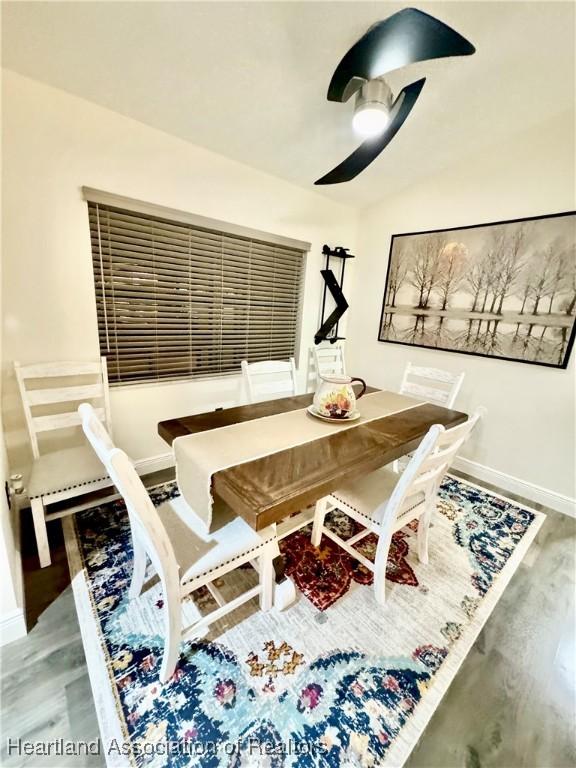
(371, 148)
(404, 38)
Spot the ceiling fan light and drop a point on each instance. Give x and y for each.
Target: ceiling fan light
(372, 110)
(370, 120)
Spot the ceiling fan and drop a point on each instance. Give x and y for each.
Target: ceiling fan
(404, 38)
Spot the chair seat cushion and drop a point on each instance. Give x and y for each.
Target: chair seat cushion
(368, 493)
(68, 469)
(198, 552)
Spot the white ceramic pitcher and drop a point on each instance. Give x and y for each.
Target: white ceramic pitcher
(334, 397)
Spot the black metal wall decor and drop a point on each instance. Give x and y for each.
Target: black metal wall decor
(328, 330)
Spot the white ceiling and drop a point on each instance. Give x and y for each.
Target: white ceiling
(249, 79)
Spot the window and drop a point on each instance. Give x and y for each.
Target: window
(179, 300)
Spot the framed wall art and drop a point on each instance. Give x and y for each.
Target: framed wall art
(505, 289)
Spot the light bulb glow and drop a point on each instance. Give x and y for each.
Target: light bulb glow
(370, 120)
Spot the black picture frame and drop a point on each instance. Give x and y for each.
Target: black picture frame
(572, 332)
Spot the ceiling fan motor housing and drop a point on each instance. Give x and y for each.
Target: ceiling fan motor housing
(374, 94)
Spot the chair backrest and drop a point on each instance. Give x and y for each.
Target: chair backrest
(419, 482)
(145, 521)
(44, 386)
(95, 431)
(329, 360)
(430, 463)
(432, 384)
(269, 379)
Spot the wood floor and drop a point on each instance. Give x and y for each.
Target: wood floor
(512, 704)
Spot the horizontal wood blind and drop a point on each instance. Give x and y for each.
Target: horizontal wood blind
(176, 300)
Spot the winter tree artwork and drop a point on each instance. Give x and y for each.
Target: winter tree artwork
(505, 290)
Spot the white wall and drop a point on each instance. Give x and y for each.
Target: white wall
(12, 620)
(530, 431)
(55, 143)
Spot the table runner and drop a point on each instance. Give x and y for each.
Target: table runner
(201, 455)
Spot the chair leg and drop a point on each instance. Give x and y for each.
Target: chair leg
(380, 588)
(380, 563)
(319, 515)
(423, 530)
(138, 569)
(39, 518)
(173, 629)
(267, 581)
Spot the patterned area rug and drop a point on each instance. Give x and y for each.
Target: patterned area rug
(335, 680)
(323, 575)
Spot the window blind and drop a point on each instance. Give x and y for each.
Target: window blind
(176, 300)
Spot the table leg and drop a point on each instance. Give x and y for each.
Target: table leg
(284, 590)
(279, 568)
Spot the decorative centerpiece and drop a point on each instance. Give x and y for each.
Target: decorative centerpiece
(335, 399)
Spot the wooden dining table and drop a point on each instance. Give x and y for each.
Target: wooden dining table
(271, 488)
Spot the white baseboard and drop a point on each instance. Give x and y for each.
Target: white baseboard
(531, 491)
(154, 463)
(12, 626)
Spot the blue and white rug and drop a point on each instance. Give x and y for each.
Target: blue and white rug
(352, 685)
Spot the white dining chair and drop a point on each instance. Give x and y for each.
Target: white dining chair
(326, 360)
(432, 384)
(50, 395)
(384, 503)
(269, 379)
(183, 554)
